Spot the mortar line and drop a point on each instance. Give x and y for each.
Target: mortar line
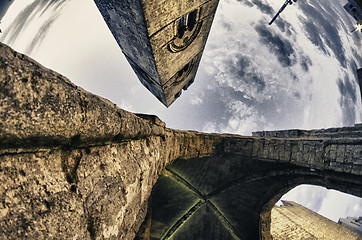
(181, 180)
(224, 220)
(181, 220)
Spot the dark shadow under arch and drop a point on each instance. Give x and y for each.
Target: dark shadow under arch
(228, 197)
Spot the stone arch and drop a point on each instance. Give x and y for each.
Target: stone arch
(231, 193)
(331, 180)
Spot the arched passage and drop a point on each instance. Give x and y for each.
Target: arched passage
(331, 180)
(228, 197)
(312, 212)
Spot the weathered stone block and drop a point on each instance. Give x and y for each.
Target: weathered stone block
(288, 151)
(348, 158)
(340, 153)
(300, 151)
(307, 153)
(357, 154)
(255, 147)
(267, 148)
(333, 153)
(261, 144)
(294, 151)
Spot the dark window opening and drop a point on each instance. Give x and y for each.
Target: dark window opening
(178, 94)
(179, 73)
(186, 30)
(183, 70)
(192, 20)
(186, 23)
(188, 84)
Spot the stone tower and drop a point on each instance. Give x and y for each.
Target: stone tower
(162, 40)
(293, 221)
(75, 166)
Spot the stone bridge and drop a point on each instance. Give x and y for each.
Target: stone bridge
(75, 166)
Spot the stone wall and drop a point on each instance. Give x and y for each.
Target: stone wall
(74, 165)
(293, 221)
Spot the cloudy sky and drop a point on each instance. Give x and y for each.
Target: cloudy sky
(298, 73)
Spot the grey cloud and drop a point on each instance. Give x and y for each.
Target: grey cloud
(227, 26)
(310, 196)
(21, 20)
(48, 5)
(284, 26)
(318, 26)
(305, 62)
(233, 95)
(313, 34)
(29, 12)
(335, 43)
(214, 107)
(358, 58)
(242, 71)
(351, 211)
(39, 37)
(316, 199)
(356, 38)
(282, 48)
(220, 96)
(246, 3)
(347, 89)
(354, 65)
(297, 95)
(348, 101)
(348, 113)
(263, 7)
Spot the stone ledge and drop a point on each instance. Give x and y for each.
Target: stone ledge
(43, 108)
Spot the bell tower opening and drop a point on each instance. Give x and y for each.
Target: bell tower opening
(186, 23)
(186, 30)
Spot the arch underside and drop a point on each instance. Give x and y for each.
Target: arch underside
(227, 197)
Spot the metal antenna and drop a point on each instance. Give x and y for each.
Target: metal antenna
(290, 2)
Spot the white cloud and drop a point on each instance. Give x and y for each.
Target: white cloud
(340, 205)
(210, 127)
(196, 100)
(245, 119)
(309, 196)
(331, 204)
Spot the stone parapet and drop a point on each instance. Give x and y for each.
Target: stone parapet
(39, 107)
(354, 131)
